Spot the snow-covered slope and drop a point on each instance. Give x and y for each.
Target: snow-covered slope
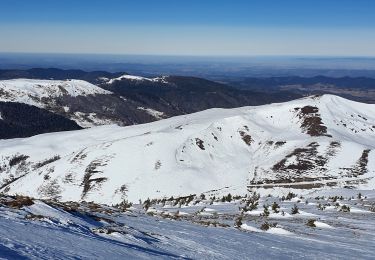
(309, 143)
(35, 92)
(34, 229)
(57, 96)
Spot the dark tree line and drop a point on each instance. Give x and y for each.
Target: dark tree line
(21, 120)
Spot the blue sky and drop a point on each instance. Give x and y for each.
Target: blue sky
(189, 27)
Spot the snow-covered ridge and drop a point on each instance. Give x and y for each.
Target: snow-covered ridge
(32, 91)
(49, 94)
(162, 79)
(310, 143)
(51, 88)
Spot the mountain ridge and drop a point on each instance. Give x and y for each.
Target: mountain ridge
(306, 144)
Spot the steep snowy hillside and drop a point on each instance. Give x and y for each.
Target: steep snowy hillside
(304, 144)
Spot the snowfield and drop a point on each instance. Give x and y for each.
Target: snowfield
(35, 229)
(308, 144)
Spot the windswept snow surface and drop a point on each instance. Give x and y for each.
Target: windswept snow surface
(306, 144)
(53, 230)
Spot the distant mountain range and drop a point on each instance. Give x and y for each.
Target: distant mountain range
(355, 88)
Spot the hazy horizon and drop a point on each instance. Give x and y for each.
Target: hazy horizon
(210, 67)
(189, 28)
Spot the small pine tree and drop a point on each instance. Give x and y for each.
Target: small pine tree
(345, 208)
(265, 226)
(238, 222)
(295, 210)
(124, 205)
(253, 205)
(290, 196)
(266, 212)
(311, 223)
(275, 207)
(146, 204)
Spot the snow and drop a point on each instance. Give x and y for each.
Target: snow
(33, 91)
(97, 231)
(306, 214)
(40, 208)
(280, 215)
(191, 154)
(157, 114)
(254, 212)
(136, 78)
(209, 210)
(279, 231)
(250, 228)
(129, 77)
(87, 120)
(50, 94)
(356, 210)
(319, 224)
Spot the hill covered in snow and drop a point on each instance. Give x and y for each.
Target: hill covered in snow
(77, 100)
(310, 143)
